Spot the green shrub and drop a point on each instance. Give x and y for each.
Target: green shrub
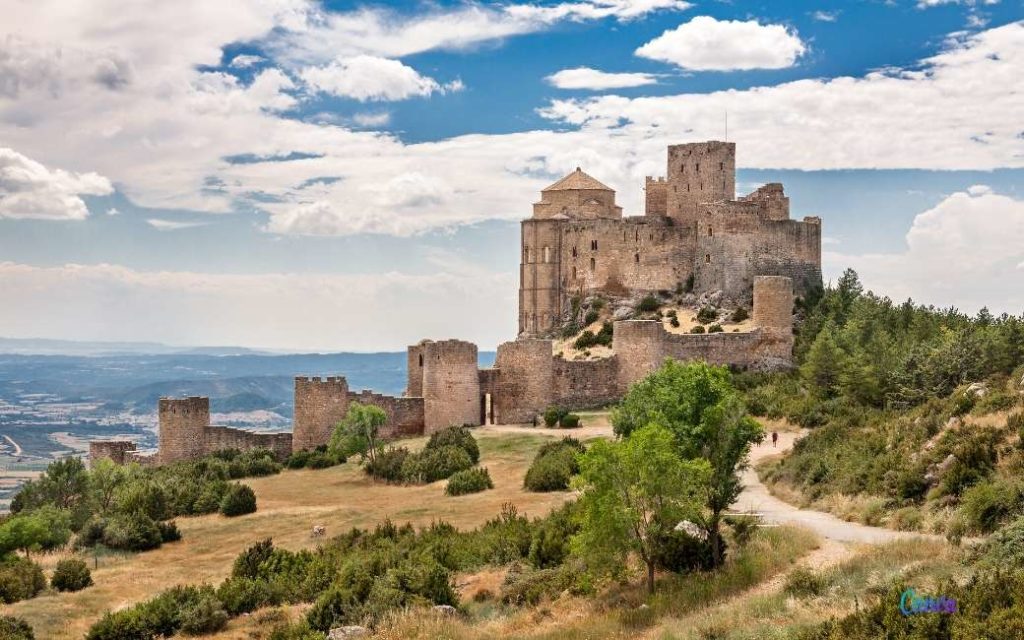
(707, 314)
(907, 519)
(743, 528)
(680, 552)
(458, 437)
(585, 340)
(241, 595)
(697, 329)
(803, 582)
(297, 631)
(136, 532)
(71, 574)
(549, 544)
(963, 402)
(553, 466)
(995, 400)
(529, 587)
(298, 459)
(168, 531)
(569, 421)
(469, 481)
(674, 321)
(91, 533)
(739, 315)
(688, 288)
(12, 628)
(125, 624)
(987, 504)
(331, 609)
(431, 465)
(20, 579)
(648, 304)
(715, 328)
(204, 616)
(387, 465)
(324, 460)
(238, 501)
(554, 414)
(591, 317)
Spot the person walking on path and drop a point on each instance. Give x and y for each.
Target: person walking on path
(775, 438)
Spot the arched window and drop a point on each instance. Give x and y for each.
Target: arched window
(707, 258)
(574, 252)
(593, 264)
(636, 258)
(698, 167)
(421, 359)
(547, 255)
(711, 232)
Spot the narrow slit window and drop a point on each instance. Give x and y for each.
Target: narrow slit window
(593, 264)
(707, 258)
(711, 232)
(636, 258)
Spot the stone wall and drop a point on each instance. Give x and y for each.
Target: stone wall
(320, 404)
(114, 450)
(221, 438)
(585, 384)
(525, 384)
(655, 196)
(405, 415)
(451, 384)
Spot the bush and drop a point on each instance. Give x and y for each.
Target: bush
(549, 545)
(688, 287)
(680, 552)
(553, 415)
(20, 579)
(553, 466)
(674, 321)
(743, 528)
(987, 504)
(238, 501)
(707, 314)
(469, 481)
(591, 317)
(697, 329)
(298, 459)
(12, 628)
(387, 465)
(136, 532)
(963, 402)
(241, 595)
(569, 421)
(715, 328)
(168, 531)
(126, 624)
(648, 304)
(530, 587)
(456, 437)
(802, 582)
(739, 315)
(323, 460)
(585, 340)
(71, 574)
(205, 615)
(431, 465)
(91, 533)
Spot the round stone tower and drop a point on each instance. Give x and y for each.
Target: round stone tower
(639, 346)
(451, 384)
(773, 303)
(526, 380)
(183, 423)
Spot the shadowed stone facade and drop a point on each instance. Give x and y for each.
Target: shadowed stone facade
(577, 243)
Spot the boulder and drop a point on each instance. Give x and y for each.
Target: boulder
(350, 631)
(445, 609)
(622, 313)
(977, 389)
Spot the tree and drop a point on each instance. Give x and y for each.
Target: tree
(697, 403)
(105, 478)
(825, 364)
(634, 490)
(359, 431)
(45, 528)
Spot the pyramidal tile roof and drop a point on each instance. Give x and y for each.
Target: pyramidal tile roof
(578, 180)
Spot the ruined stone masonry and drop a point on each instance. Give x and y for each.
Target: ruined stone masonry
(577, 242)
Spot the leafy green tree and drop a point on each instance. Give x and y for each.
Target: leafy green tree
(44, 529)
(633, 491)
(105, 478)
(359, 431)
(825, 364)
(697, 403)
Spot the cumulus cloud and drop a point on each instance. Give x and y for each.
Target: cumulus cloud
(587, 78)
(366, 78)
(30, 190)
(172, 225)
(295, 311)
(707, 44)
(966, 252)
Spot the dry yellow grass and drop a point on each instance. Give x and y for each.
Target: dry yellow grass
(289, 505)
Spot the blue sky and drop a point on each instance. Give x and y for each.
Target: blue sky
(349, 176)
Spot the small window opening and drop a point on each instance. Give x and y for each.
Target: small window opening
(711, 232)
(636, 258)
(421, 359)
(707, 258)
(593, 264)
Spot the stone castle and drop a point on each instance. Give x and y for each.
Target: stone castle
(693, 231)
(746, 248)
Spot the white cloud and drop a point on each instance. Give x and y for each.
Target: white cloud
(378, 119)
(317, 36)
(925, 4)
(367, 78)
(30, 190)
(173, 225)
(587, 78)
(296, 311)
(964, 252)
(707, 44)
(245, 61)
(825, 16)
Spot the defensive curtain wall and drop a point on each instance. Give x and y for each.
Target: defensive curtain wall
(446, 387)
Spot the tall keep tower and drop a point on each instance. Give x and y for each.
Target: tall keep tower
(183, 423)
(699, 172)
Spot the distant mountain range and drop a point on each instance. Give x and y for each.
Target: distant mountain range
(50, 347)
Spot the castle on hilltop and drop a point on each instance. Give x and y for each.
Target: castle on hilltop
(577, 243)
(694, 232)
